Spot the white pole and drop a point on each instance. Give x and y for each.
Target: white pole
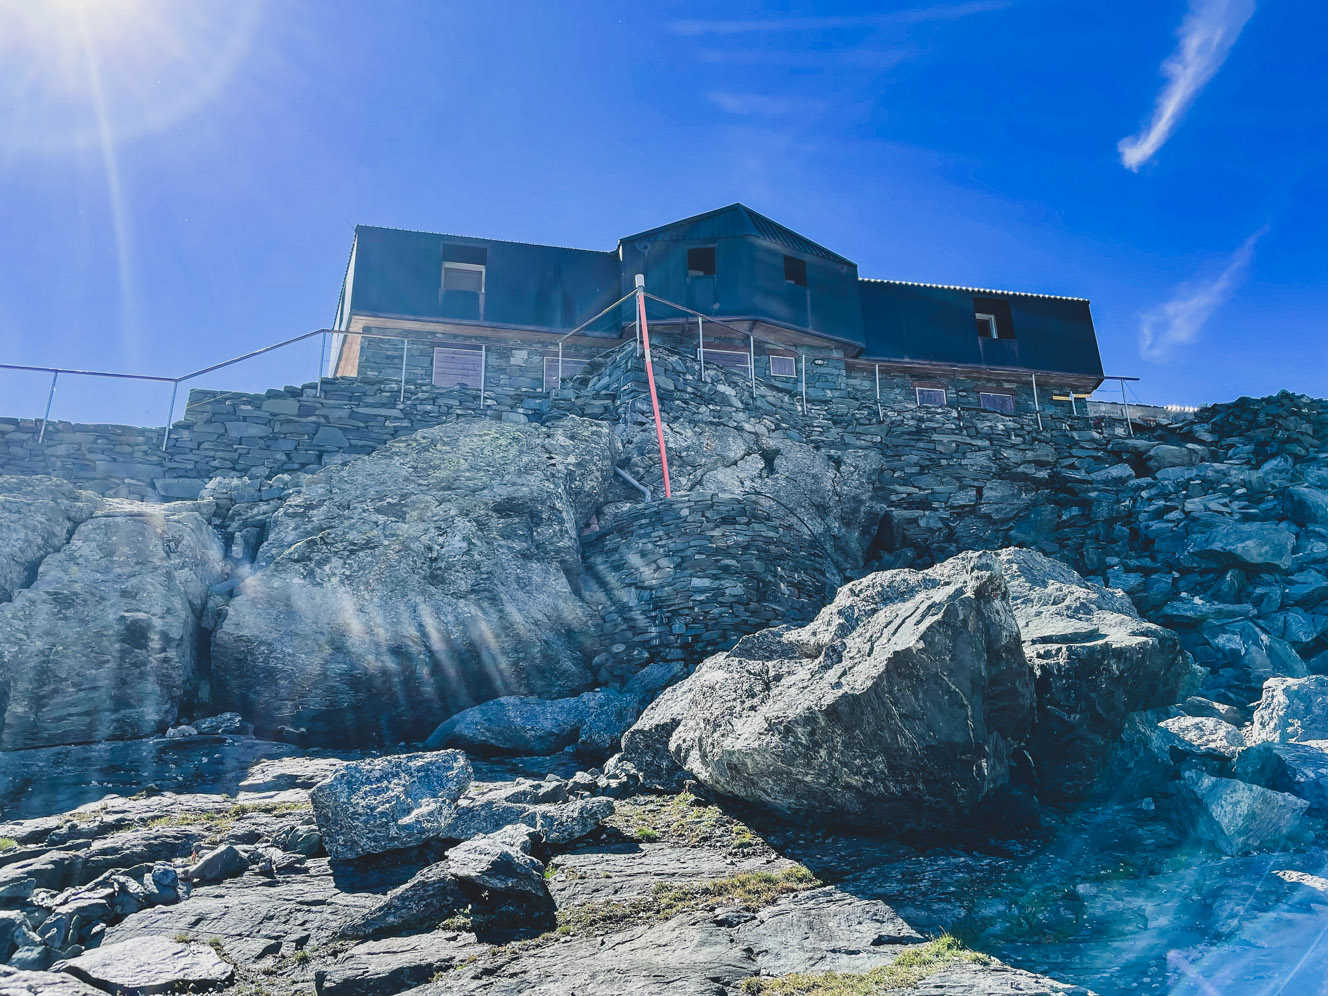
(1074, 409)
(559, 386)
(484, 357)
(880, 417)
(404, 344)
(1036, 407)
(50, 396)
(322, 358)
(700, 335)
(165, 436)
(803, 357)
(1125, 407)
(751, 361)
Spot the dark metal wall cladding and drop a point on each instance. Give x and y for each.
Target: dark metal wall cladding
(749, 282)
(914, 322)
(399, 273)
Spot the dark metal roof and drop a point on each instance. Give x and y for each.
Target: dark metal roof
(734, 221)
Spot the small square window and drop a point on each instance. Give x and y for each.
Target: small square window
(996, 401)
(701, 262)
(986, 326)
(795, 271)
(931, 396)
(729, 359)
(783, 366)
(463, 277)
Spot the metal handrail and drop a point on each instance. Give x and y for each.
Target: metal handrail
(406, 338)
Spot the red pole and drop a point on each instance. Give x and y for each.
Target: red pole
(650, 378)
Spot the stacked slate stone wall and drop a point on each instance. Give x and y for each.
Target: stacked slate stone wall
(679, 580)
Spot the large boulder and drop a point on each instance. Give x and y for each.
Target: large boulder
(594, 721)
(1237, 817)
(385, 803)
(37, 516)
(1292, 710)
(645, 757)
(896, 708)
(103, 644)
(1095, 662)
(437, 572)
(1298, 768)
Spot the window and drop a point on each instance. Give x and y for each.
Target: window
(993, 317)
(701, 262)
(795, 271)
(571, 368)
(997, 401)
(729, 359)
(463, 277)
(783, 366)
(931, 396)
(458, 366)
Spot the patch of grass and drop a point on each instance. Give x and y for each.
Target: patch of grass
(681, 819)
(223, 819)
(748, 890)
(7, 844)
(182, 939)
(910, 968)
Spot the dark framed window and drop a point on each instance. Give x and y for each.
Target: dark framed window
(701, 261)
(993, 318)
(997, 401)
(795, 271)
(931, 394)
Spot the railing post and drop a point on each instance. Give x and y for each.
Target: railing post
(1125, 407)
(700, 335)
(405, 344)
(322, 358)
(1074, 408)
(483, 364)
(559, 386)
(50, 396)
(1036, 407)
(880, 416)
(803, 364)
(170, 414)
(751, 361)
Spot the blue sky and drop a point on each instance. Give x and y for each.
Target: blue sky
(179, 182)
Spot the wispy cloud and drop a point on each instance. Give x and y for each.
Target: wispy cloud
(1206, 35)
(1180, 321)
(769, 25)
(760, 105)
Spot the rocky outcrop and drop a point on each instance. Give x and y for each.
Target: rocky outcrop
(594, 721)
(104, 643)
(433, 574)
(1094, 661)
(150, 965)
(37, 516)
(378, 805)
(1291, 710)
(896, 708)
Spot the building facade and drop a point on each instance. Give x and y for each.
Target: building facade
(748, 293)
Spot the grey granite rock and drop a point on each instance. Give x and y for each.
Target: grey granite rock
(150, 965)
(896, 708)
(433, 574)
(37, 516)
(1292, 709)
(377, 805)
(1237, 817)
(102, 644)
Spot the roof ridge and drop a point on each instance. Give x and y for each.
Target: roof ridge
(485, 238)
(979, 290)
